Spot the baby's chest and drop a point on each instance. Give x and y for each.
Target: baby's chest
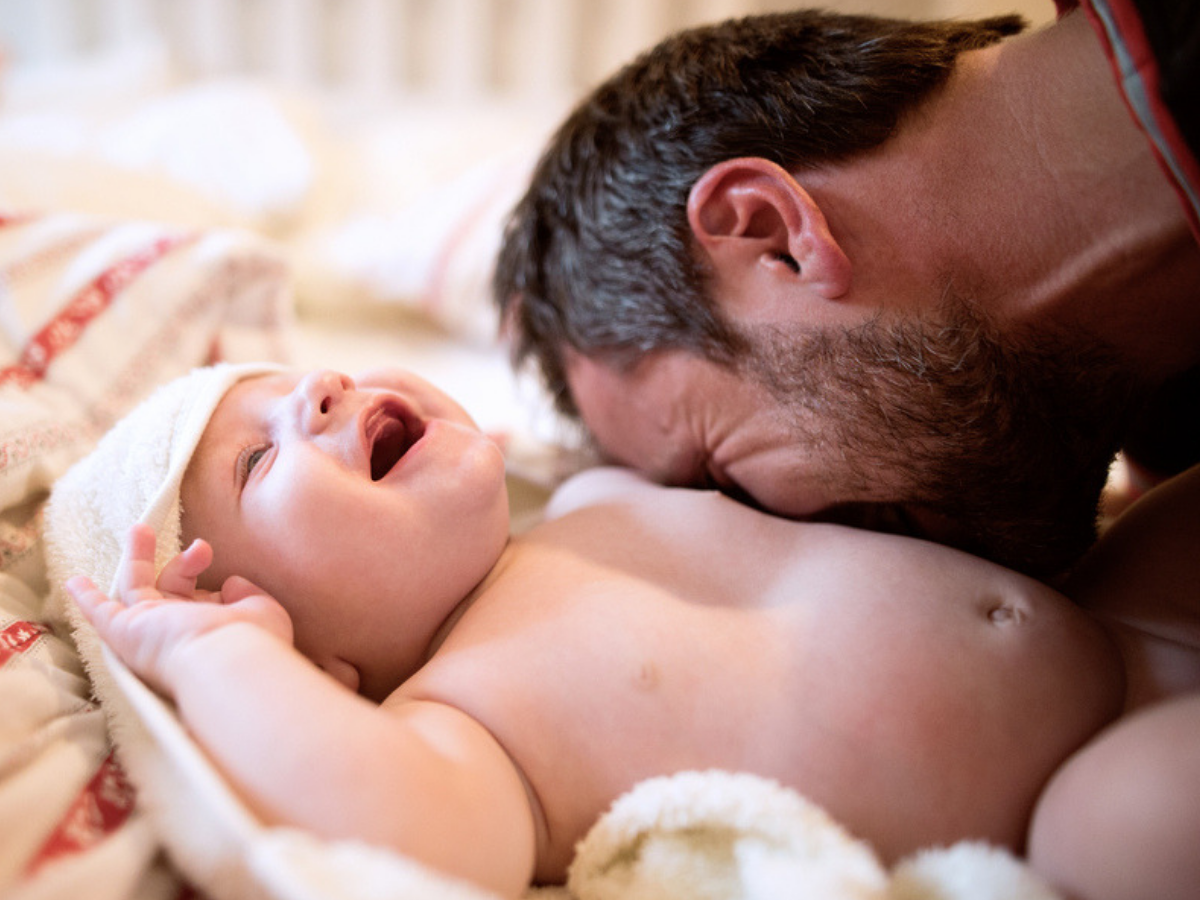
(632, 653)
(592, 698)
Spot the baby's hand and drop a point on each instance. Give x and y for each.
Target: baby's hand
(151, 619)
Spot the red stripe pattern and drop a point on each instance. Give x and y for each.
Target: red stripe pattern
(18, 638)
(62, 331)
(100, 809)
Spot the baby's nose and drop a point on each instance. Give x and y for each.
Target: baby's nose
(320, 393)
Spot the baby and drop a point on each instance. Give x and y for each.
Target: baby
(479, 700)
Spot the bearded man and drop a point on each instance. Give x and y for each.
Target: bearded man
(921, 275)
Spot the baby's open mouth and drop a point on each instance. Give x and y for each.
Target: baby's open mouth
(391, 436)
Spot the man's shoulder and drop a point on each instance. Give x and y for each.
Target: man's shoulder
(598, 485)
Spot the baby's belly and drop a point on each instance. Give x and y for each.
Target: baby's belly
(919, 695)
(911, 732)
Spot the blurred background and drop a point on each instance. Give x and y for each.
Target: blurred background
(377, 145)
(380, 47)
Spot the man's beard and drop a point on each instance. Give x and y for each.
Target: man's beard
(1007, 438)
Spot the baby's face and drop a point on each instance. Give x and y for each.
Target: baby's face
(369, 507)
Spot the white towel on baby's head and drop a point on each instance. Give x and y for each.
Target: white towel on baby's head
(134, 475)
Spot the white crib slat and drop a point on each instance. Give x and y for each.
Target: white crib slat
(207, 35)
(627, 28)
(544, 47)
(49, 30)
(369, 57)
(447, 49)
(462, 32)
(293, 40)
(717, 10)
(123, 22)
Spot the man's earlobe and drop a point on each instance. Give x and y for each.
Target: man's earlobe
(751, 212)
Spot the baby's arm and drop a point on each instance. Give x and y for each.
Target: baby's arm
(421, 778)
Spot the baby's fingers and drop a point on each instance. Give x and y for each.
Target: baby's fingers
(178, 577)
(136, 574)
(97, 607)
(141, 642)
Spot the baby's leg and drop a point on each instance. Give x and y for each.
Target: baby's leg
(1121, 818)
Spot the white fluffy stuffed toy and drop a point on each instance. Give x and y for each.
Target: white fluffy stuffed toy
(720, 836)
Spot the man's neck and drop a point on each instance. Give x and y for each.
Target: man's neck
(1034, 194)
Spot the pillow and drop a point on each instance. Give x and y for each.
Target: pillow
(95, 312)
(33, 179)
(246, 148)
(424, 197)
(433, 256)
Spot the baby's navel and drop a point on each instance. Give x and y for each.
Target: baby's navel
(1006, 611)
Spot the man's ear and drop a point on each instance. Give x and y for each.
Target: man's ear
(755, 221)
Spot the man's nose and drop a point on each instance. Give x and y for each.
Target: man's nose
(320, 393)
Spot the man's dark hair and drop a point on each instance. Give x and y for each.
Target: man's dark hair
(598, 255)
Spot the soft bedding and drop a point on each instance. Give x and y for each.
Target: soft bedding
(96, 312)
